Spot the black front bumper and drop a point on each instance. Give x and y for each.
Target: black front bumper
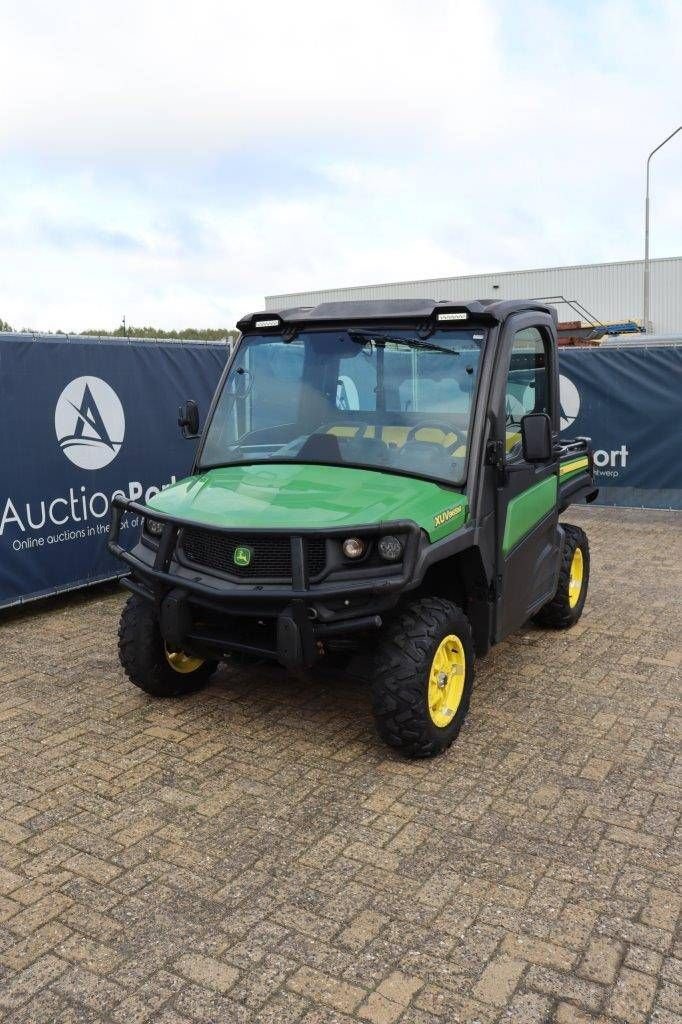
(211, 615)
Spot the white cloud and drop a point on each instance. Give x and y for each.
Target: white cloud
(175, 162)
(158, 75)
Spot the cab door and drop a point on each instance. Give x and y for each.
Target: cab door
(527, 535)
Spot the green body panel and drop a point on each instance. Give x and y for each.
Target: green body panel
(527, 509)
(290, 496)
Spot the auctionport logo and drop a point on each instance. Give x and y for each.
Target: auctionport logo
(607, 462)
(89, 422)
(569, 402)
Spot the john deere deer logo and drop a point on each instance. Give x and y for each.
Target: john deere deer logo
(242, 556)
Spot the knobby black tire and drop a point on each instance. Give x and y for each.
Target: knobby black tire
(401, 675)
(142, 654)
(557, 613)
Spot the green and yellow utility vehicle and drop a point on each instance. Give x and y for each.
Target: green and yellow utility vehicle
(382, 477)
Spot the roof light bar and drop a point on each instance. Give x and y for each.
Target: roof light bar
(452, 316)
(272, 322)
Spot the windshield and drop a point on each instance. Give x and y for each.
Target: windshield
(376, 398)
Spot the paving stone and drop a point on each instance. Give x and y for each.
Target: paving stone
(660, 1016)
(380, 1010)
(210, 1007)
(646, 960)
(670, 996)
(95, 956)
(565, 986)
(43, 911)
(43, 940)
(601, 961)
(321, 987)
(19, 988)
(85, 987)
(632, 997)
(662, 910)
(362, 928)
(567, 1013)
(204, 970)
(252, 854)
(498, 981)
(535, 951)
(528, 1008)
(400, 988)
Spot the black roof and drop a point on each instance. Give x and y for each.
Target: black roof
(486, 310)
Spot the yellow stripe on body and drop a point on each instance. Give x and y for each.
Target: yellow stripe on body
(570, 467)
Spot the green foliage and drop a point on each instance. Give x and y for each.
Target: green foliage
(188, 334)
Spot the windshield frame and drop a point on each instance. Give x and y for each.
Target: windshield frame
(383, 327)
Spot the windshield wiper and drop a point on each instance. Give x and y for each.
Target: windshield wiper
(362, 337)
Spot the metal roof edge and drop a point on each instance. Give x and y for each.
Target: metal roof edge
(468, 277)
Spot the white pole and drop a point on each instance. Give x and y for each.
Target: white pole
(647, 275)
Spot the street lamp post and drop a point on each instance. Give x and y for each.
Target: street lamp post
(647, 281)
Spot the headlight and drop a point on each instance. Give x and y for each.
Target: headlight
(390, 548)
(153, 527)
(353, 547)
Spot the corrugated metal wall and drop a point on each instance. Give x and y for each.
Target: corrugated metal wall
(612, 292)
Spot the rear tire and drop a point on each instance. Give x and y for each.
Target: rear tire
(423, 676)
(566, 607)
(146, 660)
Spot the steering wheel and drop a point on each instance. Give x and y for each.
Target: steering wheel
(445, 427)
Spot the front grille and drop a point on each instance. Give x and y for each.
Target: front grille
(270, 556)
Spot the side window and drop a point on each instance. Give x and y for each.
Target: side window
(527, 384)
(264, 392)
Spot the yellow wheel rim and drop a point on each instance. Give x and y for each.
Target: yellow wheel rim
(446, 681)
(575, 578)
(181, 662)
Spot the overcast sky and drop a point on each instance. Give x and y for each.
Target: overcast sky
(175, 162)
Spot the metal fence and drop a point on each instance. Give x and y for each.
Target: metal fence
(85, 419)
(629, 401)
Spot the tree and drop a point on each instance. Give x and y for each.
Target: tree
(187, 334)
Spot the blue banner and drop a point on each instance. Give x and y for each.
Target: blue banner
(84, 419)
(629, 401)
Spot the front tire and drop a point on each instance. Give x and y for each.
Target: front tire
(148, 662)
(423, 677)
(566, 607)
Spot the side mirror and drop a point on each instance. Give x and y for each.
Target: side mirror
(188, 418)
(536, 437)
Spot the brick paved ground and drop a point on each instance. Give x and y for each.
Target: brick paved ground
(251, 853)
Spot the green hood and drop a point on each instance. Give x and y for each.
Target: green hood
(286, 496)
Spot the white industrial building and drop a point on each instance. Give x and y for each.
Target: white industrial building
(605, 293)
